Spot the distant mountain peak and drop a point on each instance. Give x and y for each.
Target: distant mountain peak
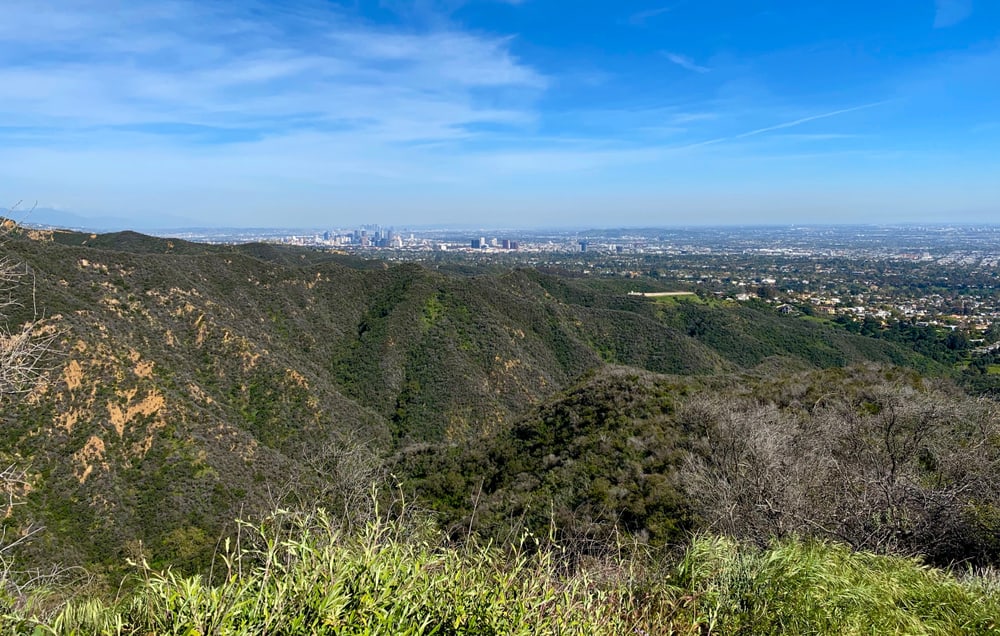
(53, 218)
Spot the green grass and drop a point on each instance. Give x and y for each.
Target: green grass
(303, 574)
(306, 574)
(675, 300)
(810, 587)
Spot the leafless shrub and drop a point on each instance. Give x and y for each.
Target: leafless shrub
(895, 469)
(341, 474)
(351, 474)
(23, 349)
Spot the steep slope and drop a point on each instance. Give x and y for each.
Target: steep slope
(196, 382)
(175, 403)
(872, 455)
(597, 458)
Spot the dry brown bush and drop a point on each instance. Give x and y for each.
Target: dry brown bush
(896, 469)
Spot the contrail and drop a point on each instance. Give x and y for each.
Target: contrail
(787, 124)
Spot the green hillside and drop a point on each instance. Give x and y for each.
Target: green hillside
(193, 384)
(876, 457)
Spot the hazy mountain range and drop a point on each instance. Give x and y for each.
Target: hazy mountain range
(50, 217)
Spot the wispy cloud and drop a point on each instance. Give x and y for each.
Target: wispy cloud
(687, 118)
(809, 137)
(803, 120)
(312, 68)
(951, 12)
(788, 124)
(106, 105)
(685, 62)
(261, 106)
(641, 17)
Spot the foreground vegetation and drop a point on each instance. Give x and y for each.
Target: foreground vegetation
(877, 458)
(570, 441)
(305, 574)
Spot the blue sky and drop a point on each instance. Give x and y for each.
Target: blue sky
(512, 113)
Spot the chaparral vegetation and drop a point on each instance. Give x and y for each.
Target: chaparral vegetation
(254, 439)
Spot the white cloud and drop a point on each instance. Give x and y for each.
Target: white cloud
(131, 109)
(685, 62)
(640, 17)
(687, 118)
(183, 63)
(808, 137)
(270, 110)
(455, 58)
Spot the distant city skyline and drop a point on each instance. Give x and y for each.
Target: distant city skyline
(180, 227)
(493, 113)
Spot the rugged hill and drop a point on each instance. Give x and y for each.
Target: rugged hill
(874, 456)
(193, 383)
